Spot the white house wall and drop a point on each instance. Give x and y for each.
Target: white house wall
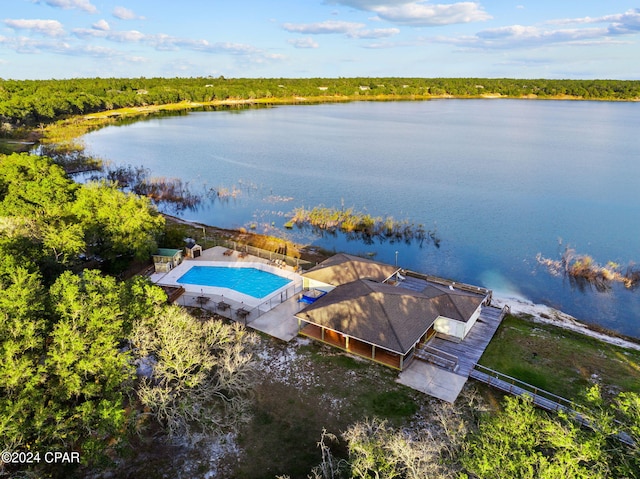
(472, 320)
(450, 327)
(309, 283)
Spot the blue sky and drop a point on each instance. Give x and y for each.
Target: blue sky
(42, 39)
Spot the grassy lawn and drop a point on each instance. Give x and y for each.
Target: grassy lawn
(560, 361)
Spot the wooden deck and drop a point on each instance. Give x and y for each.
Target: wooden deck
(469, 350)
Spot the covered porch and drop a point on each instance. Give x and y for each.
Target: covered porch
(355, 346)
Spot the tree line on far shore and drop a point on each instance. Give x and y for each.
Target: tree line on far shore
(29, 103)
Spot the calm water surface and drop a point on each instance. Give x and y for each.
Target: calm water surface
(500, 180)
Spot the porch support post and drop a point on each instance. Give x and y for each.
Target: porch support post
(401, 361)
(373, 352)
(322, 334)
(346, 342)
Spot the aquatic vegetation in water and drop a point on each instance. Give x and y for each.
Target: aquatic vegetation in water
(170, 192)
(582, 271)
(360, 225)
(226, 193)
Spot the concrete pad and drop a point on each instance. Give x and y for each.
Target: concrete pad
(432, 380)
(280, 321)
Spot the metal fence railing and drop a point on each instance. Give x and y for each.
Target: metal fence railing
(447, 282)
(296, 263)
(238, 311)
(544, 399)
(516, 387)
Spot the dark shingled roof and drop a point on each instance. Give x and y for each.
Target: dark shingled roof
(344, 268)
(380, 314)
(453, 304)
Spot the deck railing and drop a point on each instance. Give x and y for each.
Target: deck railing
(511, 385)
(437, 357)
(447, 282)
(542, 398)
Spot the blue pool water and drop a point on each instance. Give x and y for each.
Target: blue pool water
(250, 281)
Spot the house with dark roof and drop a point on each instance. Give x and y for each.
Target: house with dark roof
(344, 268)
(373, 311)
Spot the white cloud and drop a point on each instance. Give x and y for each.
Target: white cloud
(101, 25)
(619, 24)
(164, 42)
(328, 26)
(303, 42)
(31, 46)
(50, 28)
(84, 5)
(126, 14)
(128, 36)
(350, 29)
(521, 36)
(375, 33)
(420, 13)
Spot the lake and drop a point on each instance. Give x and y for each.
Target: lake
(499, 180)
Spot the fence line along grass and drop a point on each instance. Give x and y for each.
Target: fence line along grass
(560, 361)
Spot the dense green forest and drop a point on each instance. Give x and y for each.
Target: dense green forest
(72, 335)
(75, 342)
(33, 102)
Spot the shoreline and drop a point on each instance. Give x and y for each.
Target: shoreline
(69, 129)
(519, 306)
(541, 313)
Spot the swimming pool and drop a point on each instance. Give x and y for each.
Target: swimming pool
(250, 281)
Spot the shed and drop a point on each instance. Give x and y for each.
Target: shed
(166, 259)
(193, 250)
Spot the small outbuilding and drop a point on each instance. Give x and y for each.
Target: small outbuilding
(166, 259)
(193, 250)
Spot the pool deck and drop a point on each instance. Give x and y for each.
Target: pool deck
(273, 315)
(219, 256)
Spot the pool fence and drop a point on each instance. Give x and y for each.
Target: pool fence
(296, 263)
(239, 311)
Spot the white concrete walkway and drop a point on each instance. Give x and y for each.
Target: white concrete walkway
(280, 321)
(432, 380)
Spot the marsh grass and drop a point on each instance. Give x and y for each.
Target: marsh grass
(583, 271)
(361, 225)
